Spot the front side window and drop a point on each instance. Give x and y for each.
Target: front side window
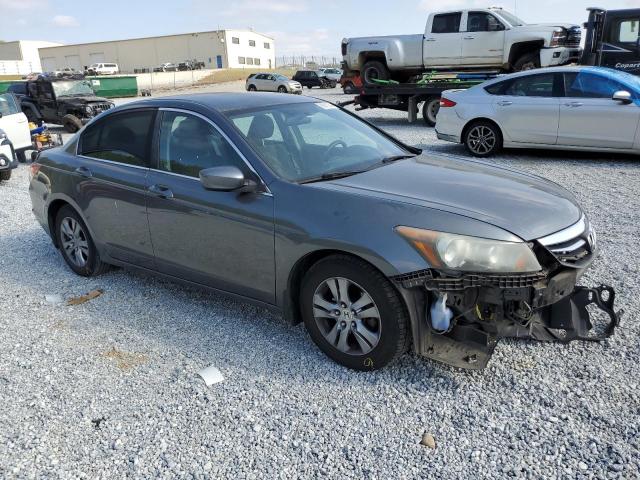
(588, 85)
(483, 22)
(531, 86)
(628, 31)
(446, 23)
(122, 138)
(189, 144)
(305, 140)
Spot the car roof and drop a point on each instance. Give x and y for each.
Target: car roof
(225, 102)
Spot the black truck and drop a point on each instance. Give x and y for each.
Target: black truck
(67, 101)
(613, 39)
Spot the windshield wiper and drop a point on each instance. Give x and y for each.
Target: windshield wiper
(332, 176)
(395, 158)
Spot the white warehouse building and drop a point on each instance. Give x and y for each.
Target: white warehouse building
(216, 49)
(21, 57)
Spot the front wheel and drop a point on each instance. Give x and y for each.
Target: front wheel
(353, 313)
(282, 89)
(71, 123)
(76, 244)
(5, 175)
(529, 61)
(483, 139)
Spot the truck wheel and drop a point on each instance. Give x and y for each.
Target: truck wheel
(5, 175)
(430, 110)
(482, 139)
(21, 156)
(374, 70)
(529, 61)
(348, 88)
(71, 123)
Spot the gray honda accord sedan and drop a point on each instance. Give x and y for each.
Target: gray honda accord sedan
(300, 206)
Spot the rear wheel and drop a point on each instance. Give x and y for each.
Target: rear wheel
(374, 70)
(526, 62)
(76, 244)
(353, 313)
(483, 139)
(430, 110)
(252, 88)
(5, 175)
(71, 123)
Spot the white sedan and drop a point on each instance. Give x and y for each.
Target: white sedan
(15, 136)
(570, 108)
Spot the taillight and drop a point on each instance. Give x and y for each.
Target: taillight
(34, 169)
(446, 103)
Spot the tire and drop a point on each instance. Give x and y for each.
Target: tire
(75, 232)
(309, 87)
(5, 175)
(386, 330)
(430, 111)
(71, 123)
(282, 89)
(252, 88)
(21, 155)
(374, 70)
(526, 62)
(349, 88)
(483, 139)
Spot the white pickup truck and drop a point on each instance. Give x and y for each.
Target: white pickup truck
(480, 38)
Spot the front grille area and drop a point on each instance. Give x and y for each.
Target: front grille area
(100, 107)
(574, 36)
(470, 280)
(572, 245)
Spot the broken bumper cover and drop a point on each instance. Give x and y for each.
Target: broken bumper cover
(490, 309)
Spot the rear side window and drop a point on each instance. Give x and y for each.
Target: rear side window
(588, 85)
(541, 85)
(446, 23)
(122, 138)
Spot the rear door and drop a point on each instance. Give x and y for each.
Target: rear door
(589, 117)
(443, 40)
(14, 122)
(112, 183)
(483, 41)
(528, 107)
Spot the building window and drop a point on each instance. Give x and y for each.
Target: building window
(256, 61)
(235, 40)
(252, 43)
(241, 60)
(249, 61)
(267, 45)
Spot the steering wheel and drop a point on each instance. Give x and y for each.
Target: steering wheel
(330, 148)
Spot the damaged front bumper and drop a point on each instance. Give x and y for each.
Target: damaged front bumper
(486, 308)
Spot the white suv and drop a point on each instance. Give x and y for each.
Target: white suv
(103, 69)
(15, 137)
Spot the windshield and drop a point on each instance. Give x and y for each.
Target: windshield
(281, 77)
(67, 88)
(304, 141)
(511, 18)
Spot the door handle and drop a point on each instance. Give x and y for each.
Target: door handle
(430, 40)
(160, 191)
(574, 104)
(84, 172)
(469, 38)
(505, 103)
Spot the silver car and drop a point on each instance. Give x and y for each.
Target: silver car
(569, 108)
(272, 82)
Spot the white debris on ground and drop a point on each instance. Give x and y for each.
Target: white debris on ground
(111, 385)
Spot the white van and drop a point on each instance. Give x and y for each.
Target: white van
(15, 137)
(103, 69)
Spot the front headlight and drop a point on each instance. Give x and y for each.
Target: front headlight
(559, 38)
(88, 109)
(470, 254)
(3, 135)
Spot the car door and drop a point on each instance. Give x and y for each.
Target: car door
(219, 239)
(47, 100)
(483, 42)
(589, 117)
(111, 183)
(270, 83)
(14, 122)
(443, 42)
(527, 108)
(620, 48)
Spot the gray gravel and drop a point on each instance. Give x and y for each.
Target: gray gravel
(109, 388)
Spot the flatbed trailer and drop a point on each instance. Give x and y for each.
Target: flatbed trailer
(407, 97)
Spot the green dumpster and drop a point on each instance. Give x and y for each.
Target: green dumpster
(115, 86)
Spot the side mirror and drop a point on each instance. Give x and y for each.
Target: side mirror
(226, 179)
(623, 97)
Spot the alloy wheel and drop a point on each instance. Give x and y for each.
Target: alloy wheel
(74, 241)
(347, 316)
(481, 140)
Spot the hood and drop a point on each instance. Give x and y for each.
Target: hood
(525, 205)
(81, 100)
(537, 27)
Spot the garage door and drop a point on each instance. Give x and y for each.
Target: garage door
(73, 61)
(97, 57)
(49, 64)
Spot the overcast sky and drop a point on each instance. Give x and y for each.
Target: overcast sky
(304, 27)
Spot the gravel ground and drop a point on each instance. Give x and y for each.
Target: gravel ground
(109, 388)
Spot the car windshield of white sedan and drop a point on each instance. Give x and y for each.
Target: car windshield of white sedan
(306, 141)
(65, 89)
